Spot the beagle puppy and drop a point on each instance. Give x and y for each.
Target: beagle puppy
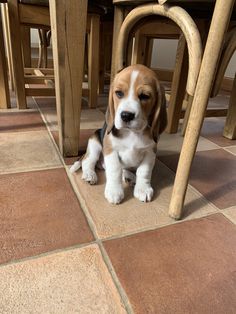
(135, 118)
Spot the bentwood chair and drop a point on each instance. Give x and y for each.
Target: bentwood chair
(199, 79)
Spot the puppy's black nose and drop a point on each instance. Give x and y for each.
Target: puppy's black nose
(127, 116)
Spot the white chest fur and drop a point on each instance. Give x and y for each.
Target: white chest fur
(131, 147)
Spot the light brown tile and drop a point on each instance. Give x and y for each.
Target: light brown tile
(231, 149)
(24, 151)
(213, 130)
(21, 121)
(231, 213)
(170, 144)
(184, 268)
(39, 213)
(213, 173)
(75, 281)
(133, 215)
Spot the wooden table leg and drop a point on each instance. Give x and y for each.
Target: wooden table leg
(230, 124)
(4, 88)
(68, 23)
(219, 24)
(16, 50)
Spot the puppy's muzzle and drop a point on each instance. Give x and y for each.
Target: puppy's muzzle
(127, 116)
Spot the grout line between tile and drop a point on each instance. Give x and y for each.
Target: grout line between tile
(48, 253)
(115, 278)
(31, 170)
(229, 218)
(229, 151)
(154, 228)
(92, 225)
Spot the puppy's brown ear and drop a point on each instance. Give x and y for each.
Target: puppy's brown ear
(110, 113)
(159, 115)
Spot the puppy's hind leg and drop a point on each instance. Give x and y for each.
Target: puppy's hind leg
(90, 159)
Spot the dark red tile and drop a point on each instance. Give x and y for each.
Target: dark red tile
(183, 268)
(21, 121)
(39, 213)
(213, 173)
(50, 102)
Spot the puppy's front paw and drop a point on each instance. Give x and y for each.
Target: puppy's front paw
(89, 176)
(143, 192)
(114, 194)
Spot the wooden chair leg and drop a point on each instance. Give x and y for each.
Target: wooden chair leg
(142, 52)
(119, 15)
(4, 88)
(102, 68)
(93, 61)
(17, 60)
(26, 46)
(230, 124)
(148, 51)
(219, 24)
(43, 49)
(186, 115)
(178, 86)
(140, 44)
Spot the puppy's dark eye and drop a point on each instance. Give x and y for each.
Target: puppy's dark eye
(119, 93)
(143, 97)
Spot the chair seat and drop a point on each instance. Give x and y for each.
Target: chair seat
(92, 8)
(44, 3)
(138, 2)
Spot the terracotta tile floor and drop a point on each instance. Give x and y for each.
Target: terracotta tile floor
(64, 249)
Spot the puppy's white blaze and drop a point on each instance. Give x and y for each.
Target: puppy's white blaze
(133, 78)
(129, 104)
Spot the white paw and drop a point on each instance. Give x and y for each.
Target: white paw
(89, 176)
(143, 192)
(114, 194)
(128, 177)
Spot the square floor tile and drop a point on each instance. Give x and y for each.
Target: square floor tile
(170, 144)
(21, 121)
(24, 151)
(39, 212)
(132, 215)
(75, 281)
(212, 129)
(213, 173)
(184, 268)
